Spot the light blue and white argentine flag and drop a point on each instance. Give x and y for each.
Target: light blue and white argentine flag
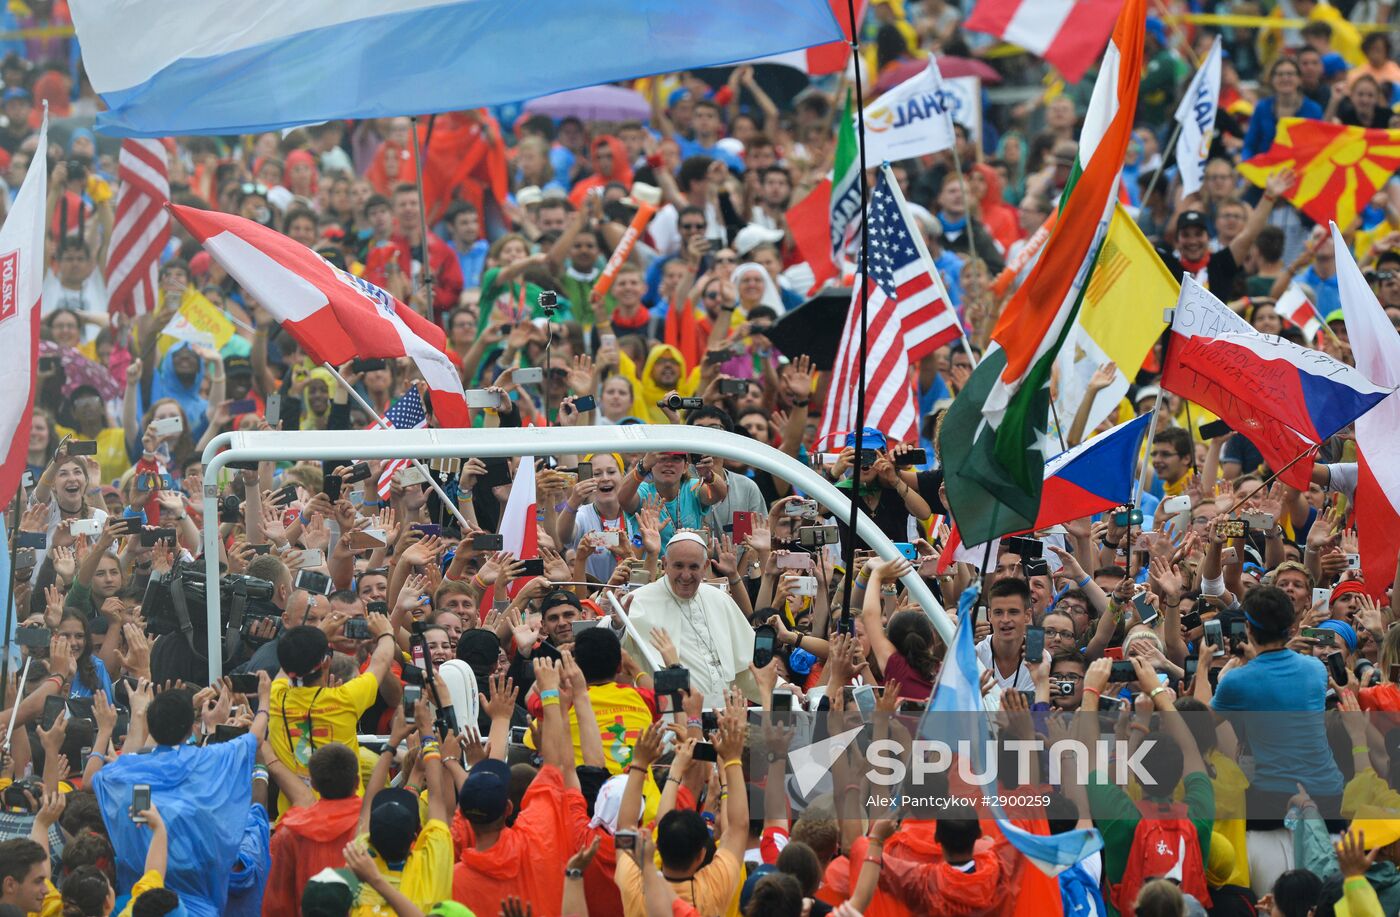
(958, 692)
(241, 66)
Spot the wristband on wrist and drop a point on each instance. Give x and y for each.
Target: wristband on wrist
(1084, 582)
(1140, 726)
(549, 693)
(695, 722)
(1152, 695)
(733, 762)
(1360, 750)
(1093, 691)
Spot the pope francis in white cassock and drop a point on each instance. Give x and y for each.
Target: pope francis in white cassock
(710, 632)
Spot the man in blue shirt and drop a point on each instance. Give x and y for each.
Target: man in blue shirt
(708, 128)
(1291, 749)
(464, 224)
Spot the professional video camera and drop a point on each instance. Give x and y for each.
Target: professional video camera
(174, 607)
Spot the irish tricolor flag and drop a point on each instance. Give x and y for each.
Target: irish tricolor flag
(994, 440)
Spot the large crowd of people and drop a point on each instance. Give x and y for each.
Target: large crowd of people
(414, 720)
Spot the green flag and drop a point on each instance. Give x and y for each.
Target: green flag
(845, 185)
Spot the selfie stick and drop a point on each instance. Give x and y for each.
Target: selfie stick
(14, 711)
(380, 421)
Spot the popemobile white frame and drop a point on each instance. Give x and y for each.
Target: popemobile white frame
(343, 445)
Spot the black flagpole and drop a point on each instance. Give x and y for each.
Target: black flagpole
(848, 622)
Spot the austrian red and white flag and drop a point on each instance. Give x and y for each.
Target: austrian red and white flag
(334, 315)
(1376, 347)
(21, 280)
(1070, 34)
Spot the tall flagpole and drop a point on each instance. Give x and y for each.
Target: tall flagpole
(383, 424)
(423, 207)
(847, 623)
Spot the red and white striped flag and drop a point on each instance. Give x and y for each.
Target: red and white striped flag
(1070, 34)
(908, 317)
(519, 529)
(141, 230)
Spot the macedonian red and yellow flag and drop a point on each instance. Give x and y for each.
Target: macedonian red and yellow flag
(1338, 167)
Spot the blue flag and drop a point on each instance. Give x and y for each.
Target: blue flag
(253, 66)
(958, 692)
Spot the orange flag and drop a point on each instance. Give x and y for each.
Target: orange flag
(1338, 167)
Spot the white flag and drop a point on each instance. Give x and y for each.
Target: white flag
(21, 279)
(910, 120)
(1196, 114)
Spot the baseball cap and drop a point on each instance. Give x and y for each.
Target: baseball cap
(485, 792)
(1147, 391)
(871, 438)
(753, 235)
(393, 820)
(1333, 64)
(560, 597)
(237, 366)
(16, 92)
(480, 649)
(1191, 218)
(329, 892)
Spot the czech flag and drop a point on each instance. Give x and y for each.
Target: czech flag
(1283, 397)
(1094, 476)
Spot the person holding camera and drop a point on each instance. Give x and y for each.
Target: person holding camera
(684, 500)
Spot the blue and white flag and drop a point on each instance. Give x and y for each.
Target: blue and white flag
(959, 692)
(1196, 115)
(912, 119)
(243, 66)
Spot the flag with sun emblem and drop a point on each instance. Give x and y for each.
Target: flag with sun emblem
(1338, 167)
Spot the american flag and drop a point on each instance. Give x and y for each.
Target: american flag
(405, 414)
(141, 230)
(909, 316)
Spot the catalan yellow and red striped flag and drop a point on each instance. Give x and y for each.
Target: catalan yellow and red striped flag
(1338, 167)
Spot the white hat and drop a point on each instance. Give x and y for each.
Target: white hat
(753, 235)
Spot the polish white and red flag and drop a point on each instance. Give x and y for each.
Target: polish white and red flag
(21, 280)
(1070, 34)
(334, 315)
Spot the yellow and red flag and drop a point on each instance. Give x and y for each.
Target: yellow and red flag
(1338, 167)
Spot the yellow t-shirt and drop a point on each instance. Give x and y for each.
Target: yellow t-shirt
(622, 714)
(426, 877)
(111, 451)
(150, 880)
(302, 719)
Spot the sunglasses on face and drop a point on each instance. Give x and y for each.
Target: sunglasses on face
(251, 188)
